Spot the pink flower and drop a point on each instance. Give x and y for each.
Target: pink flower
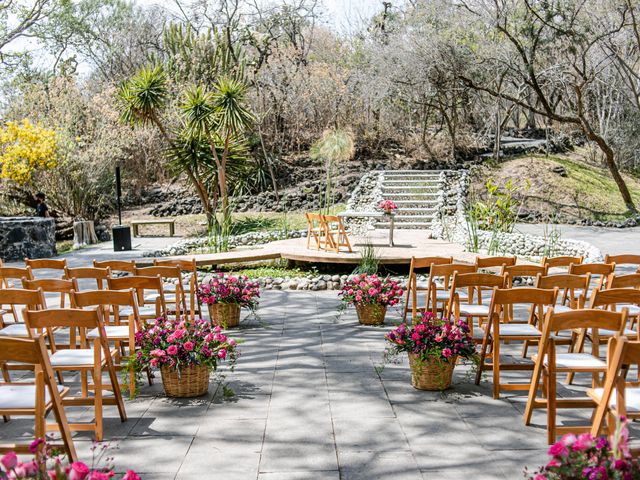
(222, 353)
(583, 442)
(557, 450)
(79, 471)
(153, 362)
(158, 353)
(172, 350)
(446, 352)
(35, 445)
(188, 346)
(131, 475)
(100, 475)
(9, 460)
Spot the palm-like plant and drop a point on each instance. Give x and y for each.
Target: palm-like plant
(334, 146)
(143, 97)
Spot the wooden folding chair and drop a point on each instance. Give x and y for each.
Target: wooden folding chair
(117, 266)
(527, 274)
(614, 299)
(36, 398)
(18, 297)
(316, 230)
(336, 234)
(141, 284)
(100, 275)
(413, 285)
(491, 264)
(549, 363)
(92, 357)
(469, 310)
(561, 262)
(191, 268)
(627, 259)
(439, 286)
(121, 334)
(596, 271)
(172, 275)
(617, 397)
(11, 277)
(496, 330)
(46, 264)
(53, 285)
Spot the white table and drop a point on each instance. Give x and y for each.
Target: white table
(390, 216)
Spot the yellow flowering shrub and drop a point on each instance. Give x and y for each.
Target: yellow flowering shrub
(25, 148)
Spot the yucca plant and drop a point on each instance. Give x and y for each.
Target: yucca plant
(335, 146)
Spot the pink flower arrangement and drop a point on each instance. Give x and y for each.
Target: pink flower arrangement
(181, 343)
(388, 206)
(430, 337)
(366, 289)
(48, 467)
(584, 456)
(223, 288)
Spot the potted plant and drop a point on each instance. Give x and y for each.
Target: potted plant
(388, 206)
(185, 352)
(371, 295)
(47, 465)
(584, 456)
(433, 347)
(225, 295)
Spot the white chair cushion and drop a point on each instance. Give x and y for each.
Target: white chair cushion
(631, 397)
(21, 396)
(578, 360)
(143, 310)
(72, 358)
(112, 331)
(473, 309)
(561, 308)
(610, 333)
(446, 294)
(634, 310)
(518, 330)
(169, 287)
(151, 298)
(422, 285)
(15, 330)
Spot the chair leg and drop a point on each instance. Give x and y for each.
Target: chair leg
(551, 407)
(496, 368)
(483, 356)
(97, 399)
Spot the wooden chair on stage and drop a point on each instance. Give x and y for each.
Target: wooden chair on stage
(88, 358)
(414, 286)
(316, 231)
(35, 398)
(336, 234)
(549, 363)
(498, 329)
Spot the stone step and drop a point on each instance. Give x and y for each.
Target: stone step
(408, 189)
(412, 218)
(414, 211)
(412, 172)
(406, 225)
(421, 197)
(417, 203)
(393, 183)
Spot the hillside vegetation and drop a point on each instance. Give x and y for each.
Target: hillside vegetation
(578, 191)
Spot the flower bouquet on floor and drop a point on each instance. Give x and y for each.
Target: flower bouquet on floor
(434, 347)
(225, 295)
(388, 206)
(371, 295)
(591, 458)
(185, 351)
(47, 465)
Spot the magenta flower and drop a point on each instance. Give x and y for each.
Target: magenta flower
(78, 471)
(172, 350)
(188, 346)
(9, 460)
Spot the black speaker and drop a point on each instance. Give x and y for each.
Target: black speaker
(121, 238)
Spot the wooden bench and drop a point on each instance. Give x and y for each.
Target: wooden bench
(135, 224)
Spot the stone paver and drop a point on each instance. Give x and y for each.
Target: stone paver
(309, 403)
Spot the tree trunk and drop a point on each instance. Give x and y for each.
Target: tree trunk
(84, 233)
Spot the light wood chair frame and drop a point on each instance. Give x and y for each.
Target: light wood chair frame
(412, 288)
(190, 266)
(444, 272)
(336, 233)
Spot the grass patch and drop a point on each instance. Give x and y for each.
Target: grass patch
(273, 221)
(64, 246)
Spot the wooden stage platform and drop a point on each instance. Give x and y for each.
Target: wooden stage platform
(408, 243)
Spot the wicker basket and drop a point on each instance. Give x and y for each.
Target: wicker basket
(227, 315)
(371, 314)
(432, 373)
(192, 381)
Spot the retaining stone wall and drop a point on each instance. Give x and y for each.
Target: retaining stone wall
(27, 237)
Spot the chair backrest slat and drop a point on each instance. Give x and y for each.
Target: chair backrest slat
(562, 261)
(63, 317)
(128, 266)
(426, 262)
(631, 280)
(488, 262)
(46, 263)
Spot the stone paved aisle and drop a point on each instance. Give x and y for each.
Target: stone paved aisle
(310, 404)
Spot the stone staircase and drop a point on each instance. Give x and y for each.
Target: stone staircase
(415, 192)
